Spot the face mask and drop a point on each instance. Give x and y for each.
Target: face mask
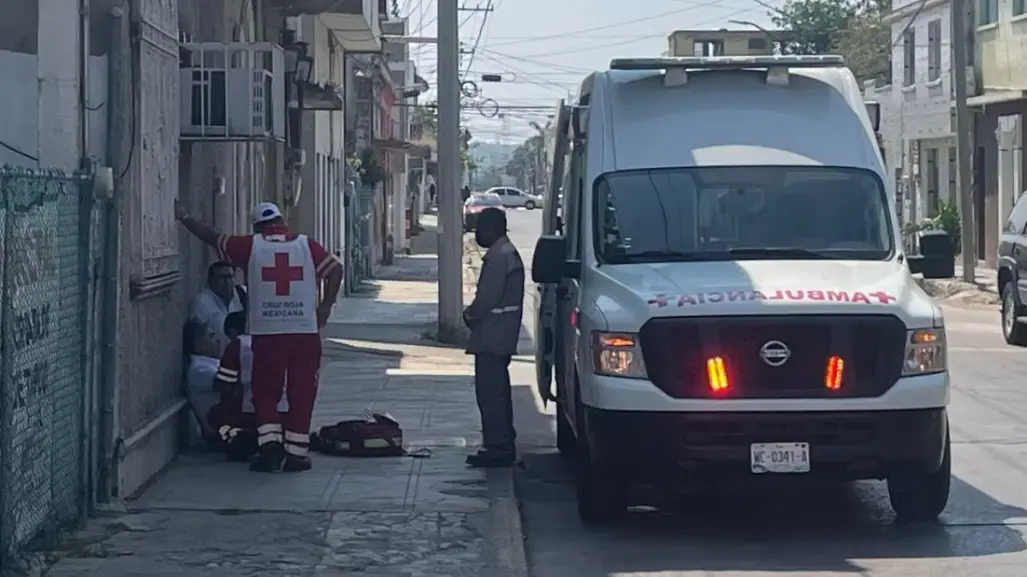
(484, 240)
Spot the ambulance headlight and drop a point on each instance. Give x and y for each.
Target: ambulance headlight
(617, 355)
(926, 352)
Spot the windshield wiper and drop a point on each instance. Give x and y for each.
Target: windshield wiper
(659, 256)
(780, 252)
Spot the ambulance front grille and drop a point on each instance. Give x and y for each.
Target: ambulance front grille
(872, 346)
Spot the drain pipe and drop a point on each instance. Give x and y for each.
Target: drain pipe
(83, 81)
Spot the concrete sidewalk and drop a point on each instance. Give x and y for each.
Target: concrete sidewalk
(430, 517)
(983, 291)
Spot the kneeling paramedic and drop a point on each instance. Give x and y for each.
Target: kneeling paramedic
(495, 322)
(234, 417)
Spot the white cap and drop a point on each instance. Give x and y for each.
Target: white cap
(264, 212)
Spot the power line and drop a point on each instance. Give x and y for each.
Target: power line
(18, 151)
(481, 30)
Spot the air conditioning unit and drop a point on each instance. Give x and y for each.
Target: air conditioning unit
(232, 91)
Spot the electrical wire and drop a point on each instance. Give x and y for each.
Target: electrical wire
(477, 41)
(18, 151)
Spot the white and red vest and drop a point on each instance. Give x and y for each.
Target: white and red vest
(282, 286)
(246, 377)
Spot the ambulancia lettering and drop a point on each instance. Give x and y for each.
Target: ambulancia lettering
(713, 298)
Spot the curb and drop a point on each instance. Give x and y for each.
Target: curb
(975, 294)
(504, 525)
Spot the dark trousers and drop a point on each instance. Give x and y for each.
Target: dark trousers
(495, 402)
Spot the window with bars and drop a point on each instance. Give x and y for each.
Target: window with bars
(909, 57)
(987, 12)
(932, 181)
(953, 174)
(934, 49)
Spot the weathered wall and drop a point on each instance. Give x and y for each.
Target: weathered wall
(22, 130)
(319, 212)
(149, 367)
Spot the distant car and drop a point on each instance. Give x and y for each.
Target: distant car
(516, 198)
(1012, 270)
(477, 203)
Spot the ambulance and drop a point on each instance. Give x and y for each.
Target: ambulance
(723, 292)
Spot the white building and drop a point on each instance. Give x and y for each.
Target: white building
(916, 108)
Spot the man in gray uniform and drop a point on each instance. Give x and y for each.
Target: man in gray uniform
(495, 322)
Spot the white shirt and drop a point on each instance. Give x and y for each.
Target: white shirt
(201, 372)
(210, 311)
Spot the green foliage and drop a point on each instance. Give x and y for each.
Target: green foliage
(427, 115)
(525, 161)
(947, 219)
(367, 165)
(853, 28)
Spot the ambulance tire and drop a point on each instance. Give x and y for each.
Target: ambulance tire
(922, 498)
(602, 497)
(565, 441)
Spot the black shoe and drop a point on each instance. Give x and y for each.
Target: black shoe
(489, 460)
(294, 463)
(269, 458)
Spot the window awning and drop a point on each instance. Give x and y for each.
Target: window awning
(396, 145)
(993, 97)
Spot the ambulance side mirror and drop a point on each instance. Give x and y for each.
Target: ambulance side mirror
(549, 263)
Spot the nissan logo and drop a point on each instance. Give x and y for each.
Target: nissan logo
(775, 353)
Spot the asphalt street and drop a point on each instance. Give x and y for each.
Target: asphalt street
(803, 530)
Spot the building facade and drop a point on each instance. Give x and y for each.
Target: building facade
(1000, 54)
(916, 109)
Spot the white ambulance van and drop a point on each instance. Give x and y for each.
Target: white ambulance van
(723, 292)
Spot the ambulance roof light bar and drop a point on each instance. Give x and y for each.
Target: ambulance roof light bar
(776, 66)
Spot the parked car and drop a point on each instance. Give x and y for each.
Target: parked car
(516, 198)
(477, 203)
(1012, 264)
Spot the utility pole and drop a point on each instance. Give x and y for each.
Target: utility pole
(964, 140)
(450, 231)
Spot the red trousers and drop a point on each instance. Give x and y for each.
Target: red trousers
(278, 359)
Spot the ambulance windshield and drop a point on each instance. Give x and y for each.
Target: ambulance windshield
(741, 213)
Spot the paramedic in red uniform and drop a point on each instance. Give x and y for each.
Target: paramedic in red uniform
(283, 272)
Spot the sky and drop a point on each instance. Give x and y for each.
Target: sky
(544, 48)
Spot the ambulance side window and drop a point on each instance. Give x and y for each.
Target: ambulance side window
(572, 202)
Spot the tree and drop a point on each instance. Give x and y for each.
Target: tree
(395, 9)
(853, 28)
(427, 116)
(526, 164)
(867, 42)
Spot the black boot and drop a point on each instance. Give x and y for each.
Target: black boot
(241, 447)
(269, 458)
(490, 460)
(295, 463)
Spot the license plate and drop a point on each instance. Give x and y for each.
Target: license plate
(779, 457)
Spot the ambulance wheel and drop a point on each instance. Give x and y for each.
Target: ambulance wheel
(602, 498)
(565, 441)
(921, 498)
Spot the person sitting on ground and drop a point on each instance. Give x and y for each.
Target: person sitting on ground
(203, 353)
(220, 297)
(234, 417)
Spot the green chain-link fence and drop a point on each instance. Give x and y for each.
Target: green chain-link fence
(50, 250)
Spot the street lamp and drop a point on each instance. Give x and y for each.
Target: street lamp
(304, 63)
